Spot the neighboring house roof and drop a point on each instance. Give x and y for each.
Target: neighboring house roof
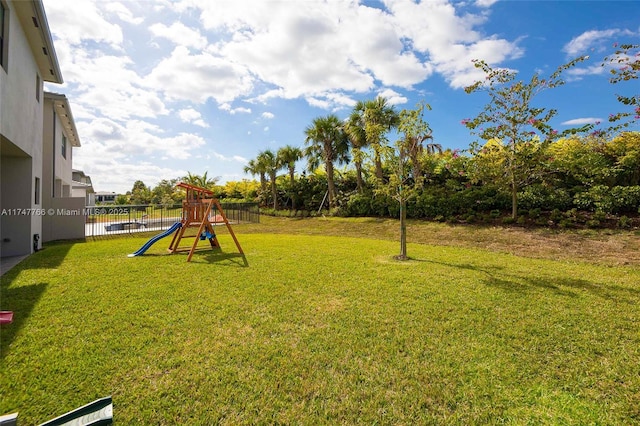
(87, 186)
(36, 28)
(81, 180)
(63, 111)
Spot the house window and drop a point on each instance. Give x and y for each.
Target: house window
(64, 146)
(36, 198)
(4, 35)
(38, 87)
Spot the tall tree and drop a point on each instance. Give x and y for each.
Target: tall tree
(410, 147)
(416, 131)
(354, 127)
(254, 167)
(377, 118)
(270, 161)
(327, 142)
(202, 181)
(512, 120)
(288, 156)
(140, 193)
(165, 193)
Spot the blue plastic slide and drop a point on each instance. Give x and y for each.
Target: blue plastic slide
(149, 243)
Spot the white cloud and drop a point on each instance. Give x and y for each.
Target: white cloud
(450, 41)
(240, 110)
(578, 73)
(199, 77)
(179, 34)
(192, 116)
(582, 121)
(268, 115)
(122, 12)
(319, 103)
(485, 3)
(135, 138)
(587, 40)
(393, 97)
(78, 21)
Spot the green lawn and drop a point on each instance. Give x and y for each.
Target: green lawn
(319, 329)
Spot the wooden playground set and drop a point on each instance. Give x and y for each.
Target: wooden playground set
(199, 210)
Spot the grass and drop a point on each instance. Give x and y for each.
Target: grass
(314, 328)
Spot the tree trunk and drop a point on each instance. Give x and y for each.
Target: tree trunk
(403, 231)
(514, 200)
(417, 172)
(331, 184)
(359, 181)
(293, 183)
(378, 162)
(274, 192)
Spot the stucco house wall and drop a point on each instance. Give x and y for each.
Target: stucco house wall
(28, 60)
(64, 218)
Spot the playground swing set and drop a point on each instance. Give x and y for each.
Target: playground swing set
(199, 210)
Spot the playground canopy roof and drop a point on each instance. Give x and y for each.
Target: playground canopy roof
(194, 188)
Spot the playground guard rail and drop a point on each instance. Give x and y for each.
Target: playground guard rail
(107, 220)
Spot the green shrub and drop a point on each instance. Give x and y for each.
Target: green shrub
(611, 200)
(593, 223)
(600, 216)
(555, 215)
(358, 205)
(544, 197)
(624, 222)
(566, 223)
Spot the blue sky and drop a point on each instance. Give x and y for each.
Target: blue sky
(159, 88)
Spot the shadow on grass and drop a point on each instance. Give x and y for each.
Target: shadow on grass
(21, 301)
(210, 256)
(217, 257)
(563, 286)
(48, 257)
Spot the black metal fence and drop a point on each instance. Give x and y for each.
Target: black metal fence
(113, 219)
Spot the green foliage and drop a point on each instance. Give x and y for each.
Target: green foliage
(544, 197)
(513, 127)
(580, 161)
(202, 181)
(140, 193)
(617, 199)
(624, 66)
(327, 143)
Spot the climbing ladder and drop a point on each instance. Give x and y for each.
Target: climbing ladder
(202, 212)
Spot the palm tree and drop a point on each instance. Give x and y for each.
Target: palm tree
(327, 142)
(288, 155)
(377, 117)
(271, 165)
(254, 167)
(354, 127)
(415, 148)
(201, 181)
(416, 132)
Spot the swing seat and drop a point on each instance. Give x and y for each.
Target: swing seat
(6, 317)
